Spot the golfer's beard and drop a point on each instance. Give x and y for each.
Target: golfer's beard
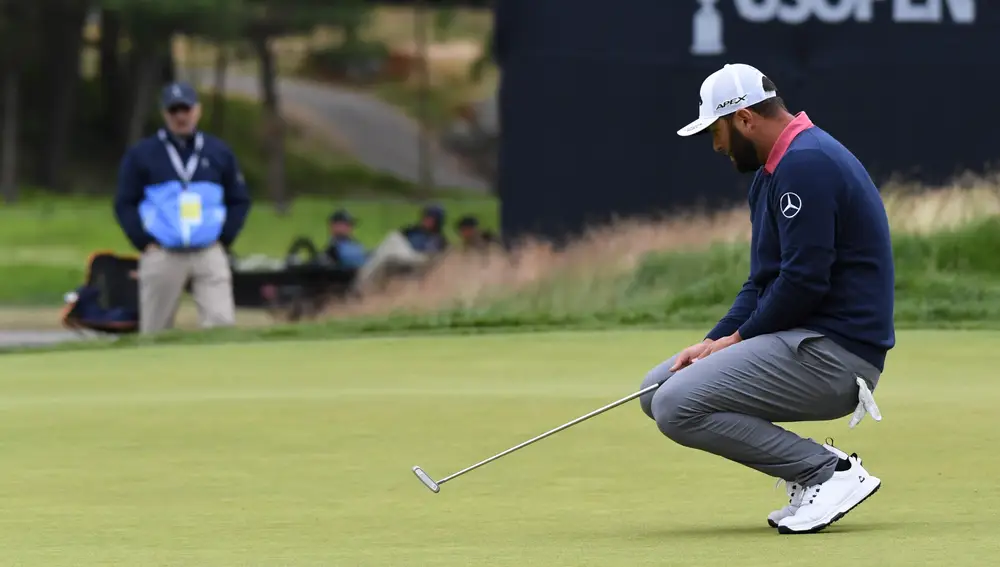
(743, 152)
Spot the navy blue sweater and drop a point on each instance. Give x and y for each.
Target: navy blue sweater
(147, 164)
(821, 254)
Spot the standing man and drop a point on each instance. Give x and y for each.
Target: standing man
(182, 202)
(807, 337)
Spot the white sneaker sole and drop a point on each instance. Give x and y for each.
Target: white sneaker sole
(860, 494)
(774, 524)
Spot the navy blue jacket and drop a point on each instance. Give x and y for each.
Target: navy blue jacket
(150, 204)
(423, 240)
(820, 253)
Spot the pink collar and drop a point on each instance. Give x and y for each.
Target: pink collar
(799, 124)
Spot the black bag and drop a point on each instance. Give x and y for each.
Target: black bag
(108, 300)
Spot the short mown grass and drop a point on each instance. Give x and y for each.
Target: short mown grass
(299, 454)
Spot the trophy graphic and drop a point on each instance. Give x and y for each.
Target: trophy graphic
(707, 30)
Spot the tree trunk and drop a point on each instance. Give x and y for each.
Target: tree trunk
(274, 127)
(218, 123)
(425, 159)
(147, 68)
(112, 79)
(8, 137)
(169, 71)
(65, 77)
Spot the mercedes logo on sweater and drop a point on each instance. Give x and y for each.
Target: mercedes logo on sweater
(790, 205)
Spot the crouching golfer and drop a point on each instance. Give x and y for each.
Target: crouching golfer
(807, 336)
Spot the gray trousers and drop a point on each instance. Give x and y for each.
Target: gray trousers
(163, 275)
(726, 403)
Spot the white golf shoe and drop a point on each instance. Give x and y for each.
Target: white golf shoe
(823, 504)
(795, 490)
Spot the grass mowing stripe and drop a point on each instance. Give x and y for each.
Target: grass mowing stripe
(279, 479)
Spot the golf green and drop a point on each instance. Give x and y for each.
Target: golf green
(300, 454)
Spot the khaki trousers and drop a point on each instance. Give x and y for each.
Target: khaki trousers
(163, 274)
(394, 251)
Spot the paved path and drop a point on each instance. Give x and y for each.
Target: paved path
(36, 338)
(375, 132)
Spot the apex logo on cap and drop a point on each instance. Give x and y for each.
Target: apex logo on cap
(177, 90)
(731, 102)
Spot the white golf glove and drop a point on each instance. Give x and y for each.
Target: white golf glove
(866, 404)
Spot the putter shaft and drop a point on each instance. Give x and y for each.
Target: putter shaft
(552, 431)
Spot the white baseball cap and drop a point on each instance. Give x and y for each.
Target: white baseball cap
(724, 92)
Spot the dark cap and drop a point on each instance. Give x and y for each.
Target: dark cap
(434, 211)
(341, 215)
(468, 221)
(177, 94)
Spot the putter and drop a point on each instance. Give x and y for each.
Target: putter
(436, 486)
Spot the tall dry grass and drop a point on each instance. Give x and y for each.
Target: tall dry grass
(917, 210)
(466, 280)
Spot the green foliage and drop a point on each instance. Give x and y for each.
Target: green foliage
(279, 17)
(444, 22)
(77, 100)
(477, 69)
(434, 106)
(223, 18)
(154, 18)
(357, 60)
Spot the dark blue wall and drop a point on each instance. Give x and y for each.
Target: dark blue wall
(593, 92)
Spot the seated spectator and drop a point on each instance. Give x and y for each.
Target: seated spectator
(426, 236)
(343, 249)
(473, 237)
(405, 250)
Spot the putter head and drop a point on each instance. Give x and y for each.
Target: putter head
(424, 478)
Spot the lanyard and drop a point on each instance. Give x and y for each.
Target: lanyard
(184, 171)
